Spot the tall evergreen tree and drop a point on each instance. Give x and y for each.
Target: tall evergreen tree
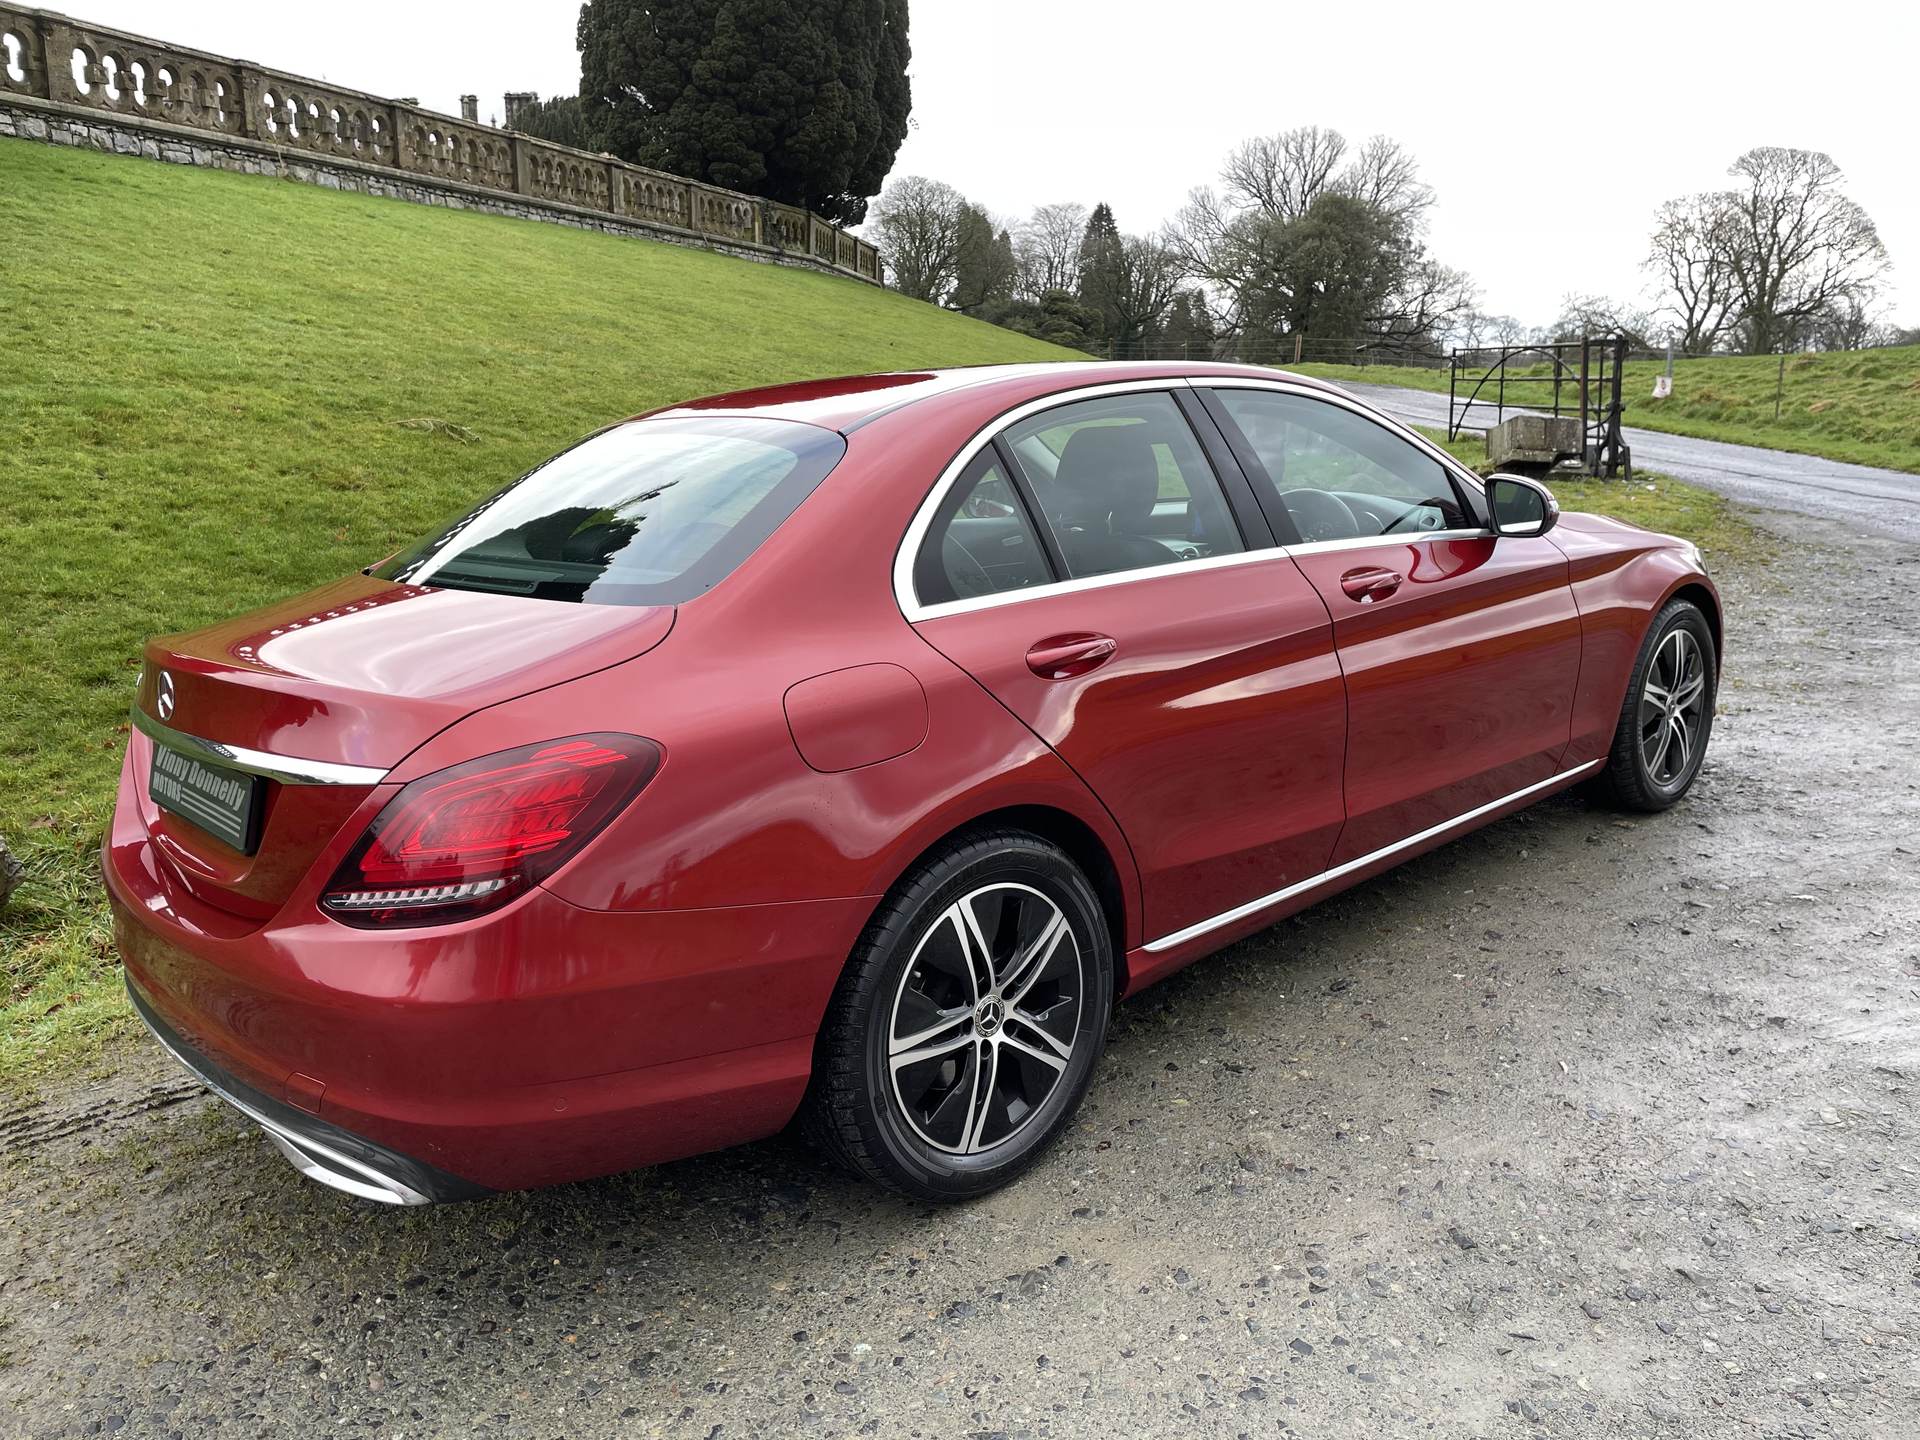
(805, 104)
(1102, 261)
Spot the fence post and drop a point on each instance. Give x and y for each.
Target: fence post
(1299, 344)
(1780, 385)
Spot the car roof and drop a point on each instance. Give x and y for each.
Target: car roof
(849, 401)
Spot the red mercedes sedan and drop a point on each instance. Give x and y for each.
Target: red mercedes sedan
(847, 749)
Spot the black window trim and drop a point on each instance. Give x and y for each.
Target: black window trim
(1224, 444)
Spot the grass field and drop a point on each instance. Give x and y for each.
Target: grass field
(1861, 405)
(215, 390)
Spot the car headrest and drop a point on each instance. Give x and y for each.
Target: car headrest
(1108, 478)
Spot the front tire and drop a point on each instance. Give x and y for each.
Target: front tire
(1667, 716)
(965, 1030)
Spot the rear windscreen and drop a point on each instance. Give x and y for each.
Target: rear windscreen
(652, 512)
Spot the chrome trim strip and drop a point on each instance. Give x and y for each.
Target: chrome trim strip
(1265, 902)
(1094, 582)
(310, 1157)
(914, 611)
(1364, 542)
(287, 769)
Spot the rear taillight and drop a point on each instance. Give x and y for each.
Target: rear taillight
(468, 839)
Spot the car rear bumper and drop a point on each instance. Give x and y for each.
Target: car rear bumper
(319, 1150)
(542, 1044)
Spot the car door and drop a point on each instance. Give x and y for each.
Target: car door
(1461, 652)
(1181, 665)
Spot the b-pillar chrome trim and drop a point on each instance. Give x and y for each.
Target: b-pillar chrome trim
(1279, 897)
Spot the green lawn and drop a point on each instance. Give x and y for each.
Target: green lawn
(217, 389)
(1861, 405)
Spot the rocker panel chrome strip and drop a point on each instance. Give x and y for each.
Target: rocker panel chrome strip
(1267, 902)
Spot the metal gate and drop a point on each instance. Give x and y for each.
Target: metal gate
(1571, 377)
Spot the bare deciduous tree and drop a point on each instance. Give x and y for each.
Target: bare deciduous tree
(1770, 262)
(1689, 256)
(1384, 174)
(1798, 245)
(1422, 309)
(920, 226)
(1281, 175)
(1048, 248)
(1845, 325)
(1584, 315)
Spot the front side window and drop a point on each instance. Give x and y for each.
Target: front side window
(652, 512)
(981, 542)
(1123, 483)
(1337, 474)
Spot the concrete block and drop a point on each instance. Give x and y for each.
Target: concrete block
(1535, 440)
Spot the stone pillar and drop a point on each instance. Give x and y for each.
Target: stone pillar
(522, 165)
(37, 59)
(253, 118)
(58, 40)
(470, 109)
(517, 101)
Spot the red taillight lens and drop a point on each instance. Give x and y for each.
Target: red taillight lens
(464, 840)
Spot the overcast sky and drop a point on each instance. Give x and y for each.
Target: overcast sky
(1020, 102)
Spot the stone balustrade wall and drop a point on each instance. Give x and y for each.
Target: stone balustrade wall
(69, 82)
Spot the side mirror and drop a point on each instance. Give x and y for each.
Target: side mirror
(1521, 507)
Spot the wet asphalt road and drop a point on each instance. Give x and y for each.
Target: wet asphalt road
(1585, 1125)
(1885, 501)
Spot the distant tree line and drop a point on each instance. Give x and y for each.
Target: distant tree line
(1780, 260)
(1304, 236)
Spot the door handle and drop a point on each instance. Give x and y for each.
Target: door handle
(1061, 657)
(1370, 583)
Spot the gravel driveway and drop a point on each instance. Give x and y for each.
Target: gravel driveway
(1887, 501)
(1580, 1126)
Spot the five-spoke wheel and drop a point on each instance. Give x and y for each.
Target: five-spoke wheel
(965, 1029)
(985, 1017)
(1668, 711)
(1673, 706)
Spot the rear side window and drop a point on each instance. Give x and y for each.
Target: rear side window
(1124, 484)
(982, 541)
(652, 512)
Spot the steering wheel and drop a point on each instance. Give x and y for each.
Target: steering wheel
(967, 575)
(1429, 514)
(1321, 515)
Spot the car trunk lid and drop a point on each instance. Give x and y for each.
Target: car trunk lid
(349, 679)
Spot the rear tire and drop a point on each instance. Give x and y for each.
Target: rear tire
(965, 1029)
(1666, 718)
